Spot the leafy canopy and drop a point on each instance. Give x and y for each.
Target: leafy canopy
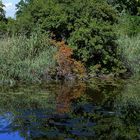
(86, 25)
(2, 12)
(130, 6)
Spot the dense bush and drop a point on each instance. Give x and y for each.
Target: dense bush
(86, 25)
(130, 6)
(3, 20)
(2, 12)
(89, 29)
(128, 25)
(67, 67)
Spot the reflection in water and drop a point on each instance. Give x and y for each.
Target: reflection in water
(66, 93)
(66, 112)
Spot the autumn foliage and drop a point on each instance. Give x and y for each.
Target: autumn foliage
(68, 67)
(67, 93)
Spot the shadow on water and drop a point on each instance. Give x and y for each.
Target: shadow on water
(66, 111)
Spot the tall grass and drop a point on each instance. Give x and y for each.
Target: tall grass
(25, 59)
(129, 48)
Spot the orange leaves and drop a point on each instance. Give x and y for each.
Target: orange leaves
(66, 93)
(67, 66)
(79, 68)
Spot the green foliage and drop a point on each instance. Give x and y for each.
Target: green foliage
(11, 26)
(130, 52)
(8, 27)
(3, 20)
(87, 26)
(3, 28)
(130, 6)
(25, 59)
(128, 25)
(2, 12)
(90, 27)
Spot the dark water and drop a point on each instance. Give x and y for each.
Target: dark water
(66, 112)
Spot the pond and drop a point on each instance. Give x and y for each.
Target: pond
(67, 111)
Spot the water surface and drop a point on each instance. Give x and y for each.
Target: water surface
(65, 111)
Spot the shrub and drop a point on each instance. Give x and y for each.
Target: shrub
(25, 59)
(130, 6)
(67, 66)
(128, 25)
(85, 25)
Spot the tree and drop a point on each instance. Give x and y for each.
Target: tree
(131, 6)
(3, 19)
(2, 12)
(85, 25)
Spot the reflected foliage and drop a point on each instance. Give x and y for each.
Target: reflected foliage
(68, 111)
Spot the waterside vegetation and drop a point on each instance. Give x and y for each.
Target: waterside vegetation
(69, 40)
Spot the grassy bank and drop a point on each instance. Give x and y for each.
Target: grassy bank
(36, 59)
(25, 59)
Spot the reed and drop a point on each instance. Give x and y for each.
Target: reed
(25, 59)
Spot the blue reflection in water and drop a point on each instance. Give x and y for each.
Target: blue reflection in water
(13, 136)
(5, 131)
(37, 123)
